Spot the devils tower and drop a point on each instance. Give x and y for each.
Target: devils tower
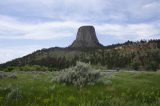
(86, 37)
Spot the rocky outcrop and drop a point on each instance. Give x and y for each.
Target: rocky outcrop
(86, 37)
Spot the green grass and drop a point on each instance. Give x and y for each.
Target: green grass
(127, 89)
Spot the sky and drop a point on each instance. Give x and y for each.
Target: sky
(30, 25)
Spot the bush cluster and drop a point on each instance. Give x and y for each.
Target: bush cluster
(13, 96)
(80, 75)
(8, 75)
(2, 74)
(26, 68)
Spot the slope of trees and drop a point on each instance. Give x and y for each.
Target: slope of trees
(142, 55)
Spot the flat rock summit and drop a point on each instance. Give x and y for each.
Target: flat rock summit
(86, 37)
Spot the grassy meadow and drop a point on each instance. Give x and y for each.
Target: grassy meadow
(123, 88)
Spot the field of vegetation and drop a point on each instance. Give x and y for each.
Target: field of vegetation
(122, 88)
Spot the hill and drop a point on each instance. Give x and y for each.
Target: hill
(131, 55)
(142, 55)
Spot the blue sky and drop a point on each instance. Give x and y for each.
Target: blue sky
(28, 25)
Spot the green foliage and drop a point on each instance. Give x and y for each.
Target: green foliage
(26, 68)
(135, 65)
(120, 89)
(143, 55)
(33, 68)
(13, 96)
(152, 66)
(9, 69)
(80, 75)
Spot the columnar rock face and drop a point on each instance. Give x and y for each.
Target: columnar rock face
(86, 37)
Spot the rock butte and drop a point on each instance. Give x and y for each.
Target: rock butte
(86, 37)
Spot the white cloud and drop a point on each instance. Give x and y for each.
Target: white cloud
(7, 54)
(83, 10)
(10, 28)
(152, 5)
(13, 29)
(127, 31)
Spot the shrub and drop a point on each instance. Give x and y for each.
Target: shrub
(80, 75)
(13, 96)
(9, 69)
(2, 74)
(33, 68)
(152, 66)
(13, 76)
(26, 68)
(8, 75)
(107, 82)
(135, 65)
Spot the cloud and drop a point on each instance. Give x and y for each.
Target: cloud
(7, 54)
(42, 20)
(52, 9)
(10, 28)
(95, 11)
(152, 5)
(129, 31)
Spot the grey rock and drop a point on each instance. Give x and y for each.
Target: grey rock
(86, 37)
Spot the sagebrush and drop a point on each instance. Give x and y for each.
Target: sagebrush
(80, 75)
